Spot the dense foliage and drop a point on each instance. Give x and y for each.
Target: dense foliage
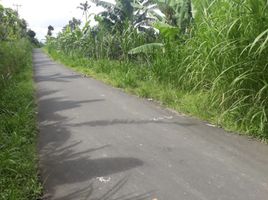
(18, 166)
(13, 28)
(196, 47)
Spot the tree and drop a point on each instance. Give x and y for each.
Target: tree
(11, 26)
(23, 26)
(31, 33)
(50, 29)
(74, 23)
(85, 7)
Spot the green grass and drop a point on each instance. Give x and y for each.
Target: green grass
(18, 161)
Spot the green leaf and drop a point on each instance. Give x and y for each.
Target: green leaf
(135, 5)
(258, 38)
(166, 30)
(146, 48)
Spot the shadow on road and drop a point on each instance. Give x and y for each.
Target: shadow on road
(53, 105)
(55, 77)
(68, 166)
(87, 193)
(62, 162)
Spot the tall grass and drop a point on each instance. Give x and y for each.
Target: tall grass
(220, 66)
(18, 164)
(228, 57)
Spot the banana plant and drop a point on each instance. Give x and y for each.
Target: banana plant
(115, 14)
(178, 13)
(139, 13)
(145, 14)
(177, 21)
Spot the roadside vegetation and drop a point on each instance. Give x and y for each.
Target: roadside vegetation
(18, 163)
(208, 58)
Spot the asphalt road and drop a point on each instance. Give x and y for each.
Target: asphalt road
(98, 143)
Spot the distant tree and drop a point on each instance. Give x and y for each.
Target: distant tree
(85, 8)
(31, 33)
(73, 23)
(50, 29)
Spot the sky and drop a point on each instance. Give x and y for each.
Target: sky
(39, 14)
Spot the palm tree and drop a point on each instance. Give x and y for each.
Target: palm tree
(85, 7)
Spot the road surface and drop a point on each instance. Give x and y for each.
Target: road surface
(98, 143)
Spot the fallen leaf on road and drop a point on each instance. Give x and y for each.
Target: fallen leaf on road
(103, 179)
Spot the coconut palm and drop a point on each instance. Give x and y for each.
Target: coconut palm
(85, 8)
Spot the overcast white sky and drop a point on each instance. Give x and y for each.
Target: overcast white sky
(41, 13)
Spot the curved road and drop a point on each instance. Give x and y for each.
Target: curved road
(98, 143)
